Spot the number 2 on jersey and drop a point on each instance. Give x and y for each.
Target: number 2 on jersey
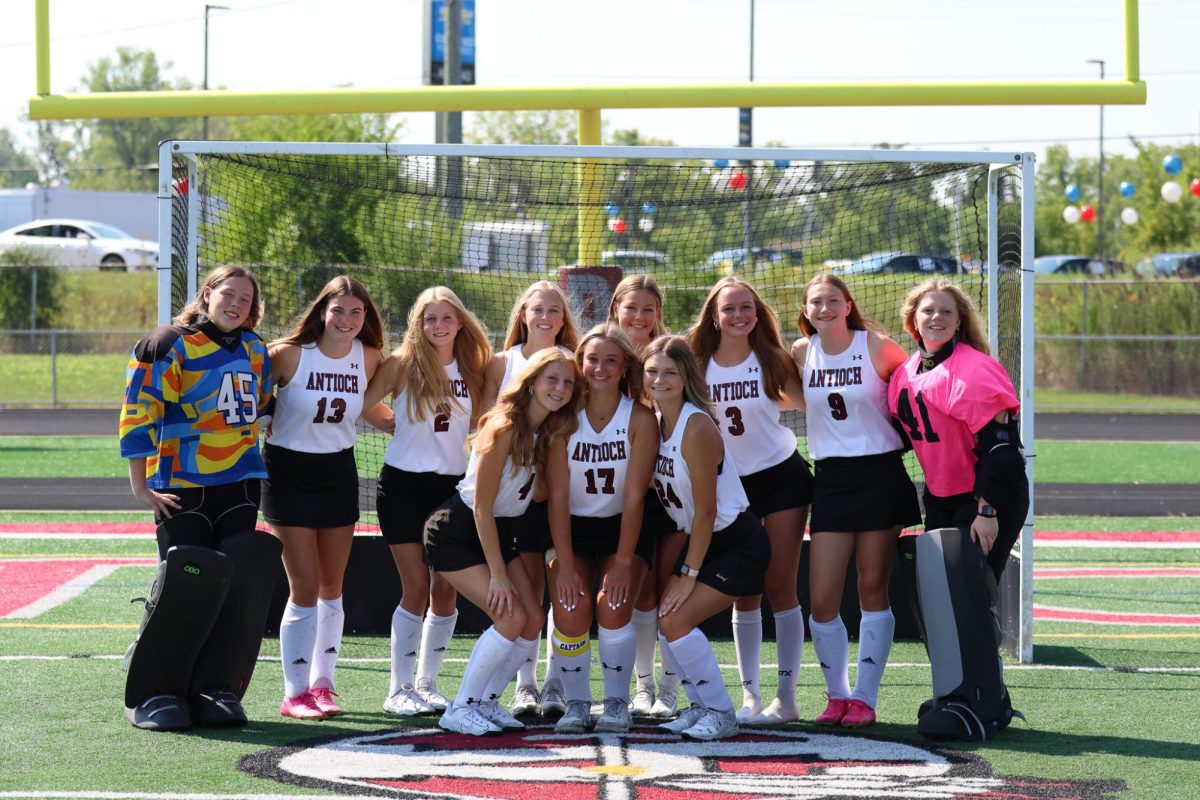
(666, 493)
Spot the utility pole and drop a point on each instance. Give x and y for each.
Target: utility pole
(204, 84)
(453, 73)
(1100, 181)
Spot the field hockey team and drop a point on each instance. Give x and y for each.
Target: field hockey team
(644, 481)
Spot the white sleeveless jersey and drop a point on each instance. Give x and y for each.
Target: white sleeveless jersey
(598, 463)
(674, 482)
(749, 420)
(316, 411)
(437, 443)
(514, 360)
(846, 402)
(514, 493)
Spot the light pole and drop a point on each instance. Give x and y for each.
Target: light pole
(1100, 181)
(204, 84)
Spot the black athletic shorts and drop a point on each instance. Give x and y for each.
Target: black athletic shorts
(959, 511)
(452, 540)
(737, 557)
(208, 515)
(863, 493)
(404, 500)
(788, 484)
(310, 490)
(656, 522)
(598, 537)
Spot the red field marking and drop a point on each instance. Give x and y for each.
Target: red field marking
(1121, 537)
(1113, 617)
(33, 584)
(1044, 573)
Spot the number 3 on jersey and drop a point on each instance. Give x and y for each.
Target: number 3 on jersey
(236, 398)
(917, 430)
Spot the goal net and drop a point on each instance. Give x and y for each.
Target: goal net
(489, 220)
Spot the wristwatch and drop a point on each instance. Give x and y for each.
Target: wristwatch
(987, 512)
(688, 572)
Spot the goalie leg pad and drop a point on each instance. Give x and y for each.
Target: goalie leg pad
(970, 699)
(226, 662)
(189, 589)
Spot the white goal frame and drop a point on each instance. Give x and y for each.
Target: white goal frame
(1020, 646)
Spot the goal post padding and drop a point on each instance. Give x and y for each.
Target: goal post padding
(402, 220)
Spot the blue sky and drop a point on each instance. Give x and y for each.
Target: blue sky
(318, 44)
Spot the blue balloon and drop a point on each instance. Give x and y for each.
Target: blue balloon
(1126, 188)
(721, 163)
(612, 209)
(782, 163)
(649, 208)
(1072, 193)
(1172, 164)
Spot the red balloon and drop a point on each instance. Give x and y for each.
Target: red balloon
(1087, 213)
(1196, 186)
(737, 181)
(618, 225)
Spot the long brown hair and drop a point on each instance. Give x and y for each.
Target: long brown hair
(310, 325)
(631, 380)
(639, 283)
(518, 331)
(970, 328)
(695, 387)
(428, 386)
(530, 446)
(765, 339)
(197, 308)
(855, 321)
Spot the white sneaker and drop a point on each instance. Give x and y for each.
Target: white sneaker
(665, 705)
(779, 712)
(687, 719)
(712, 726)
(525, 701)
(576, 718)
(496, 715)
(466, 719)
(407, 703)
(427, 691)
(751, 706)
(615, 718)
(554, 700)
(643, 701)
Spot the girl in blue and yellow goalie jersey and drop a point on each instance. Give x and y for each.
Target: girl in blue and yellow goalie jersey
(195, 391)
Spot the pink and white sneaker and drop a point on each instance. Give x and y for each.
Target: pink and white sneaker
(323, 698)
(302, 706)
(834, 711)
(858, 715)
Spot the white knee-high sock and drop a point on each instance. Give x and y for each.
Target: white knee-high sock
(617, 648)
(789, 645)
(503, 674)
(747, 640)
(645, 628)
(297, 637)
(436, 633)
(875, 634)
(489, 656)
(831, 643)
(573, 662)
(527, 670)
(406, 635)
(670, 676)
(330, 620)
(696, 659)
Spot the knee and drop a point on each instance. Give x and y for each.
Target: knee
(673, 627)
(782, 597)
(873, 592)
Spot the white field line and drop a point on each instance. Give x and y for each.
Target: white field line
(725, 667)
(62, 594)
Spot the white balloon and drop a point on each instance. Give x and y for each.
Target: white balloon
(1172, 192)
(1071, 215)
(1129, 216)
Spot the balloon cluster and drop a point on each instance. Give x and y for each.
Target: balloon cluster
(1171, 192)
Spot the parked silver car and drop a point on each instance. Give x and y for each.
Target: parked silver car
(81, 243)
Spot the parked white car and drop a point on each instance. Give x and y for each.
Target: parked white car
(82, 244)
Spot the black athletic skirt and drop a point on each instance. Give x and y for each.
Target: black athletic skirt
(405, 500)
(737, 557)
(531, 530)
(656, 522)
(452, 540)
(310, 490)
(863, 493)
(598, 537)
(788, 484)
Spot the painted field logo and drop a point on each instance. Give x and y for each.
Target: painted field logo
(538, 764)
